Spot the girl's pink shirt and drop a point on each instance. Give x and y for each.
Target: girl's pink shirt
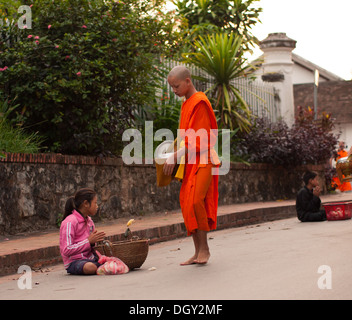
(74, 233)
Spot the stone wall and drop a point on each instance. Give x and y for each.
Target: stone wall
(34, 188)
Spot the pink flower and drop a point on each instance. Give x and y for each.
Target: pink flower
(30, 36)
(37, 42)
(57, 47)
(79, 74)
(3, 69)
(36, 38)
(114, 40)
(49, 26)
(84, 27)
(67, 57)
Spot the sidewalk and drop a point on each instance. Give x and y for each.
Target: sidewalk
(42, 249)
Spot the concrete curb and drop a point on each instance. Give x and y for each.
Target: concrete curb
(47, 256)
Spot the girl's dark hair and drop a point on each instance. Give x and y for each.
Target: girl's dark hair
(75, 201)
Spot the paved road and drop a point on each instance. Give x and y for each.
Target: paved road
(275, 260)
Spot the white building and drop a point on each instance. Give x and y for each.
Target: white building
(294, 77)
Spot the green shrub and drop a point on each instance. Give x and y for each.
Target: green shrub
(163, 113)
(83, 68)
(306, 142)
(17, 140)
(13, 138)
(221, 56)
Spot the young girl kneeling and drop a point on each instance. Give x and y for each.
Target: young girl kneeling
(78, 234)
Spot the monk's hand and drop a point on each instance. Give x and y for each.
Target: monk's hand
(169, 165)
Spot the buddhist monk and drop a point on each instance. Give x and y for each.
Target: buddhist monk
(341, 153)
(199, 190)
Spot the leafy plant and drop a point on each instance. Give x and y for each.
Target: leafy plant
(265, 143)
(306, 142)
(220, 56)
(8, 8)
(14, 138)
(205, 17)
(164, 112)
(83, 68)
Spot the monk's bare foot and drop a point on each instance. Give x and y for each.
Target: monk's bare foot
(189, 261)
(203, 257)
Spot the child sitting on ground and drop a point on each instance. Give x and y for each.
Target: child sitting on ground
(308, 201)
(78, 237)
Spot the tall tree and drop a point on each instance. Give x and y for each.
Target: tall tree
(211, 16)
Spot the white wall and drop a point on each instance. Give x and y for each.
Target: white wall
(346, 133)
(303, 75)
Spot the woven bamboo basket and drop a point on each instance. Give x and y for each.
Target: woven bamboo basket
(132, 252)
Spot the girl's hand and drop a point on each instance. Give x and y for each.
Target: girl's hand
(169, 165)
(96, 236)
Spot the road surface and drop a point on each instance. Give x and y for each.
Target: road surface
(283, 259)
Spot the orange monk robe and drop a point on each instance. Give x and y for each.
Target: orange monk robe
(197, 113)
(342, 186)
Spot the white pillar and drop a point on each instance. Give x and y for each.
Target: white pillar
(278, 68)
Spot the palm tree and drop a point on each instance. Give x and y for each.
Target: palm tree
(220, 56)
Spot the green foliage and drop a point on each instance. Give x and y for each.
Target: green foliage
(220, 56)
(14, 138)
(211, 16)
(217, 33)
(83, 68)
(164, 111)
(306, 142)
(8, 8)
(17, 140)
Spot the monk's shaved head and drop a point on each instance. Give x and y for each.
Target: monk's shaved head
(180, 72)
(181, 82)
